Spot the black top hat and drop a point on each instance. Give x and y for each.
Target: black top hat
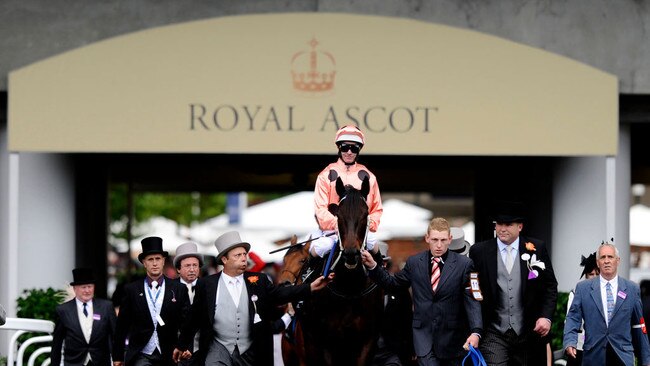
(508, 211)
(82, 276)
(589, 263)
(152, 245)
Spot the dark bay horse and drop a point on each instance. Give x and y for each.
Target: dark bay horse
(341, 323)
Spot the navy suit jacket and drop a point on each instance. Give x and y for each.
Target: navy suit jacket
(442, 320)
(268, 297)
(68, 329)
(134, 320)
(624, 332)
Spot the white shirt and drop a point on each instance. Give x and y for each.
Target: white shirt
(86, 322)
(234, 286)
(504, 252)
(603, 293)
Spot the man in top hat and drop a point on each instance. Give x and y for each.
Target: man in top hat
(188, 262)
(86, 324)
(234, 309)
(446, 316)
(153, 311)
(519, 291)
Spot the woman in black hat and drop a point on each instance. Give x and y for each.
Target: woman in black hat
(589, 270)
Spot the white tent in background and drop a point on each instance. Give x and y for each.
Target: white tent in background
(168, 230)
(640, 225)
(294, 214)
(401, 219)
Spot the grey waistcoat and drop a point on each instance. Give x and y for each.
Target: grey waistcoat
(231, 324)
(509, 303)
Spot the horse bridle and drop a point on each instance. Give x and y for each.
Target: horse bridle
(338, 235)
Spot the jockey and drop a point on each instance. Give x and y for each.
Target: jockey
(350, 141)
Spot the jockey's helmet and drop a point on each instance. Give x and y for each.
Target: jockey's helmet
(349, 133)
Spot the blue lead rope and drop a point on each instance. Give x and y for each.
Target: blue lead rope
(475, 357)
(326, 270)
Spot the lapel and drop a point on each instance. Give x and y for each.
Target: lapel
(523, 265)
(492, 256)
(422, 266)
(97, 311)
(71, 310)
(449, 268)
(595, 295)
(169, 296)
(141, 296)
(622, 288)
(211, 293)
(251, 292)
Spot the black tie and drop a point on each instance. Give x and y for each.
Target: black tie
(85, 310)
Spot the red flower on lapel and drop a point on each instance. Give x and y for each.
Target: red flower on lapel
(253, 279)
(530, 247)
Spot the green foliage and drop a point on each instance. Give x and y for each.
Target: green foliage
(39, 303)
(557, 329)
(3, 361)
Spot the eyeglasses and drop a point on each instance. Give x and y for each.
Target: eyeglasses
(350, 147)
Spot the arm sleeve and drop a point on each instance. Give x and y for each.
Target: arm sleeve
(375, 208)
(326, 221)
(573, 321)
(639, 332)
(57, 339)
(472, 306)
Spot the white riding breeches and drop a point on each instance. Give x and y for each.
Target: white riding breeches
(322, 246)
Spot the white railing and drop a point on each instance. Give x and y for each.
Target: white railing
(22, 326)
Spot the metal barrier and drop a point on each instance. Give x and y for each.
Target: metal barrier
(23, 326)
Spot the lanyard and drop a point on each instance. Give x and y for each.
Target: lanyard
(153, 303)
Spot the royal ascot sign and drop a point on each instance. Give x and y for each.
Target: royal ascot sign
(284, 83)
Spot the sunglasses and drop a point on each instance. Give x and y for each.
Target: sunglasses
(350, 147)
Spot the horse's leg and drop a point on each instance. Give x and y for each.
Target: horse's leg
(363, 359)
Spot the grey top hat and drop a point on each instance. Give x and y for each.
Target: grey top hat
(458, 243)
(228, 241)
(185, 250)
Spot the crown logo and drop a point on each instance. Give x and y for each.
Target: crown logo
(313, 71)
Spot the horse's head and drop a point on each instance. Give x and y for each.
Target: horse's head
(293, 261)
(352, 214)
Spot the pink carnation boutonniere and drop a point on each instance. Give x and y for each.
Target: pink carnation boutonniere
(253, 280)
(531, 263)
(530, 247)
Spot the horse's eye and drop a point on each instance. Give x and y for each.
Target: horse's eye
(302, 261)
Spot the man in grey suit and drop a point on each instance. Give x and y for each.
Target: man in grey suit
(519, 292)
(613, 316)
(447, 317)
(233, 310)
(85, 324)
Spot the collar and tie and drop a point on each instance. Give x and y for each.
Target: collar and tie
(610, 301)
(435, 272)
(85, 310)
(190, 292)
(509, 260)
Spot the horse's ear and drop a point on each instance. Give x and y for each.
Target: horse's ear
(340, 188)
(333, 208)
(365, 187)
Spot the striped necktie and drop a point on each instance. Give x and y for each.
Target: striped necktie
(435, 273)
(610, 301)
